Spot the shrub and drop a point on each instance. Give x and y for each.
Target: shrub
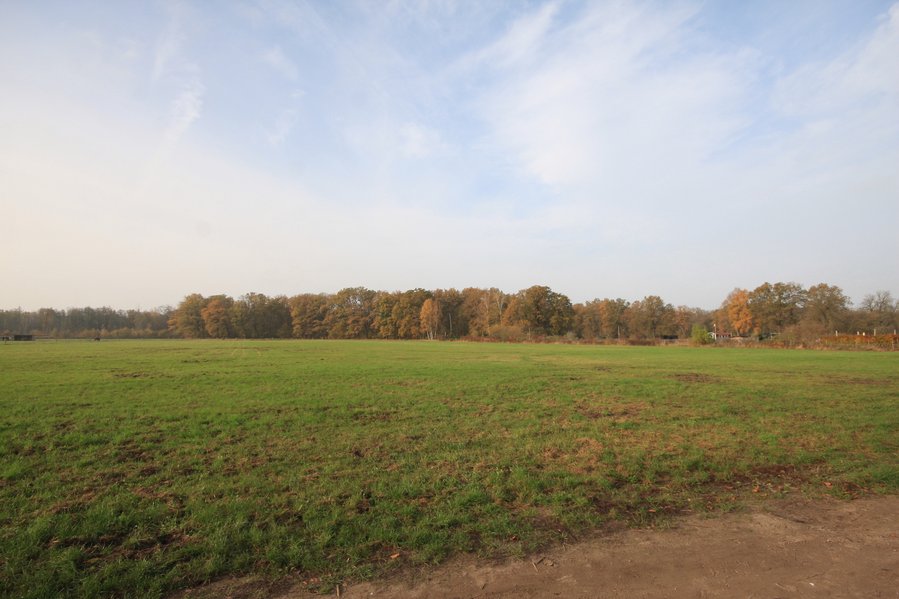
(700, 335)
(507, 333)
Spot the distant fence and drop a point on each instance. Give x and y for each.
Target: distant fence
(888, 342)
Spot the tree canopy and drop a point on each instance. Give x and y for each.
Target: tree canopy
(537, 312)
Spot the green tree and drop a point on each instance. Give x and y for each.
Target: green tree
(700, 335)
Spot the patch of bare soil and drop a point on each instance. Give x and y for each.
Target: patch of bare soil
(777, 549)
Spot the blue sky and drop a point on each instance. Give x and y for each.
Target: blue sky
(153, 149)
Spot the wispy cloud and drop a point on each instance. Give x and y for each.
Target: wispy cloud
(602, 99)
(173, 69)
(614, 147)
(830, 87)
(169, 43)
(185, 109)
(524, 39)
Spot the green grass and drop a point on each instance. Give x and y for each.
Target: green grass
(141, 467)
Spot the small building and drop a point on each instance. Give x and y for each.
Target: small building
(23, 337)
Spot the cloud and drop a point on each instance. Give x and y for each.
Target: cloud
(597, 147)
(276, 59)
(844, 112)
(168, 45)
(865, 72)
(616, 141)
(523, 40)
(595, 100)
(174, 71)
(185, 109)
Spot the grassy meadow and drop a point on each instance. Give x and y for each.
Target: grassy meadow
(140, 467)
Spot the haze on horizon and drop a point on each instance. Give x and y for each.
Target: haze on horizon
(606, 149)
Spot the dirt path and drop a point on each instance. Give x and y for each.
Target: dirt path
(784, 549)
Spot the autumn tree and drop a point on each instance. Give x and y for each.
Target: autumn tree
(799, 316)
(429, 317)
(612, 312)
(588, 320)
(650, 318)
(512, 311)
(561, 314)
(535, 308)
(738, 313)
(187, 320)
(686, 319)
(216, 316)
(827, 307)
(307, 315)
(257, 316)
(540, 311)
(351, 314)
(278, 319)
(384, 323)
(243, 317)
(606, 318)
(774, 307)
(482, 309)
(452, 317)
(407, 313)
(497, 300)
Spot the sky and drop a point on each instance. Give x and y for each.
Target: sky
(607, 149)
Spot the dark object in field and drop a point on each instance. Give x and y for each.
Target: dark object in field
(22, 337)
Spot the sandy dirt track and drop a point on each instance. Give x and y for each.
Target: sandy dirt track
(777, 549)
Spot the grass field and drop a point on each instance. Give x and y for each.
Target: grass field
(140, 467)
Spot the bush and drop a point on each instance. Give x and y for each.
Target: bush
(506, 333)
(700, 335)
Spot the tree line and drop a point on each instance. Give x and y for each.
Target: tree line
(88, 322)
(785, 310)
